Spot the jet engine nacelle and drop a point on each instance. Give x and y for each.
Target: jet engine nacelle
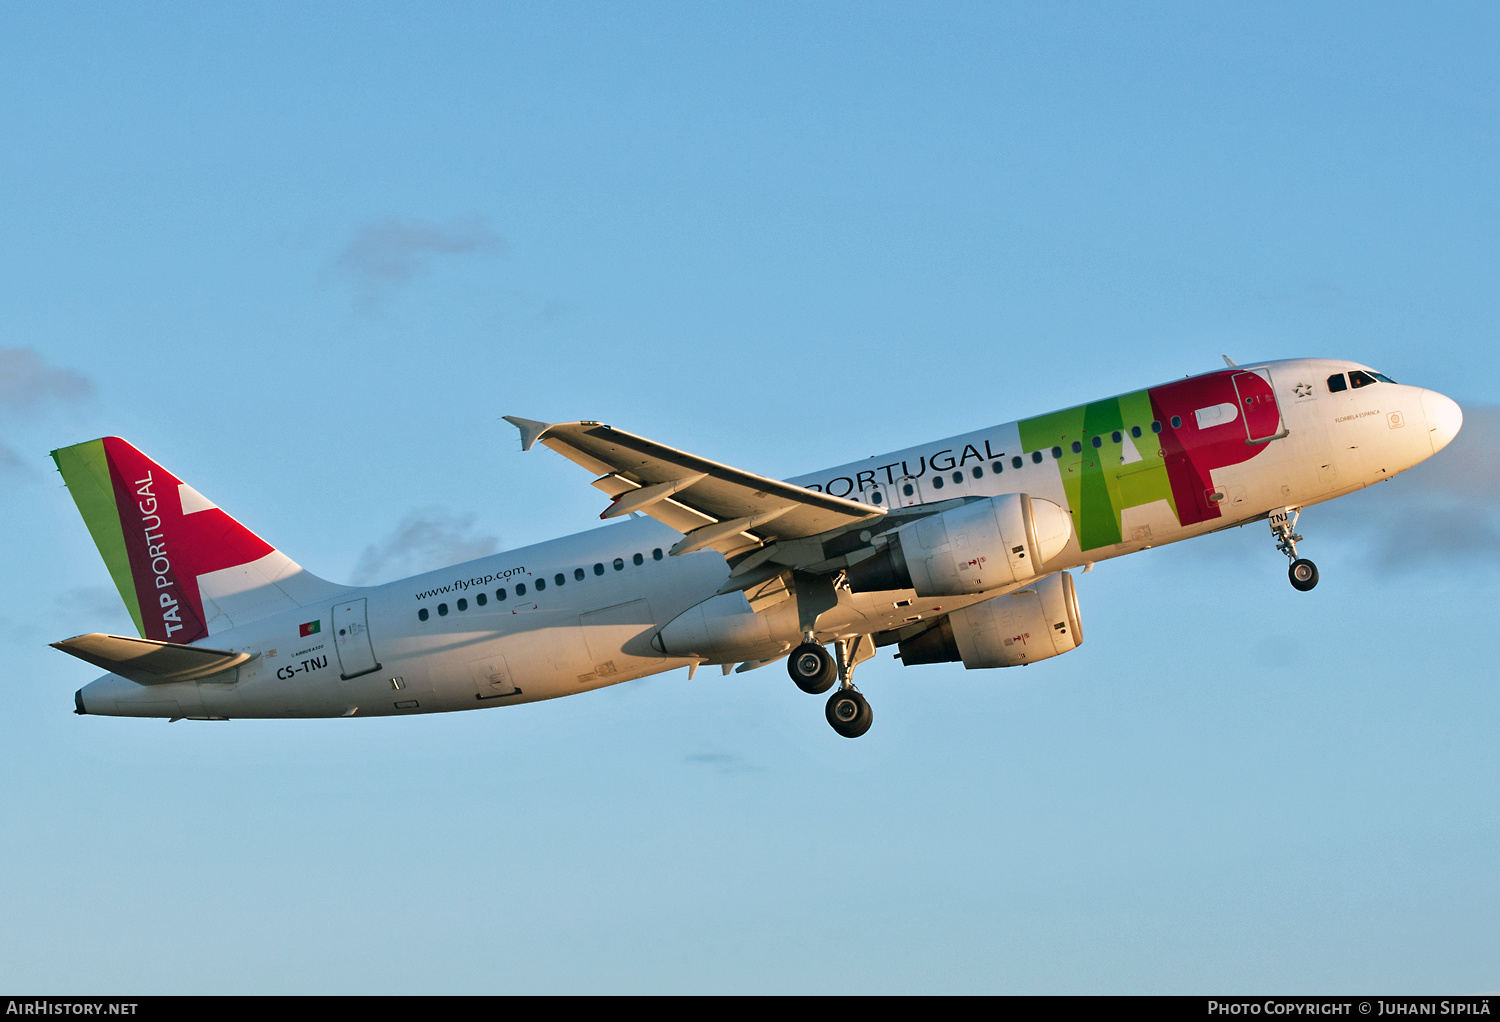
(727, 628)
(1030, 624)
(968, 549)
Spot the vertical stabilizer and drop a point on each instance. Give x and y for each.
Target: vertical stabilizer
(184, 568)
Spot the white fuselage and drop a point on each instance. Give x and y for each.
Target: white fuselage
(593, 602)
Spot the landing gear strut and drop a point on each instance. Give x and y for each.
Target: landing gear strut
(1303, 573)
(847, 710)
(814, 671)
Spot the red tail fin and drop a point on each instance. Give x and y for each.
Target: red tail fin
(184, 568)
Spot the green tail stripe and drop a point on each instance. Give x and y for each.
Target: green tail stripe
(85, 469)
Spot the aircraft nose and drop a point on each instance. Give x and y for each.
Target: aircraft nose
(1444, 418)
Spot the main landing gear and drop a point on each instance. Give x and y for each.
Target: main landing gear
(815, 671)
(1303, 573)
(812, 668)
(849, 713)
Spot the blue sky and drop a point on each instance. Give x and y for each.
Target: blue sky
(307, 258)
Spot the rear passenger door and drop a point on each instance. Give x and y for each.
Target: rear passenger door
(351, 637)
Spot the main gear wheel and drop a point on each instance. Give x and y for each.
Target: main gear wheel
(812, 667)
(849, 713)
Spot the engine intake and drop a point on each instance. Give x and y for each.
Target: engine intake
(968, 549)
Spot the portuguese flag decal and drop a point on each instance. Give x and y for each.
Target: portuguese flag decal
(310, 628)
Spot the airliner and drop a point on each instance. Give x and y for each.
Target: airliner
(958, 550)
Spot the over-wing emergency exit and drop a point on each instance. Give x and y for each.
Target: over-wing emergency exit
(954, 551)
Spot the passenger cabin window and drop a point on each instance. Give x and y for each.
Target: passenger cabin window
(937, 482)
(1057, 452)
(482, 599)
(1115, 436)
(874, 496)
(1077, 447)
(442, 610)
(997, 468)
(1098, 442)
(422, 614)
(598, 569)
(577, 574)
(463, 604)
(978, 472)
(541, 584)
(656, 554)
(619, 564)
(520, 588)
(499, 595)
(559, 578)
(1155, 426)
(638, 560)
(1036, 458)
(1336, 383)
(908, 489)
(1176, 422)
(1135, 431)
(958, 477)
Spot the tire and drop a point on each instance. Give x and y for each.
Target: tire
(1303, 574)
(849, 713)
(812, 668)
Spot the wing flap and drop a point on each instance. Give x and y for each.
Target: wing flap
(680, 517)
(149, 661)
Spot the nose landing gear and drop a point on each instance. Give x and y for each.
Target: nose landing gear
(1302, 572)
(814, 671)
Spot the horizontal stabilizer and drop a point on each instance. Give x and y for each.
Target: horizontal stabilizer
(149, 661)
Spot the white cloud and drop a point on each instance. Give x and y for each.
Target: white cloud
(1443, 513)
(385, 254)
(25, 381)
(423, 540)
(724, 763)
(10, 461)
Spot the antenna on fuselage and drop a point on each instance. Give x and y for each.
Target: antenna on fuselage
(1229, 361)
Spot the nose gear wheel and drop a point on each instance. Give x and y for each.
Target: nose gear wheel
(1302, 573)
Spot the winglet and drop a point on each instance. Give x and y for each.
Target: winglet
(531, 430)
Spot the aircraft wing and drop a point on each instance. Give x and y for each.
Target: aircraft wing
(713, 505)
(149, 661)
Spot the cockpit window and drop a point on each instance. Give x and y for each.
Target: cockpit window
(1359, 378)
(1383, 378)
(1336, 383)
